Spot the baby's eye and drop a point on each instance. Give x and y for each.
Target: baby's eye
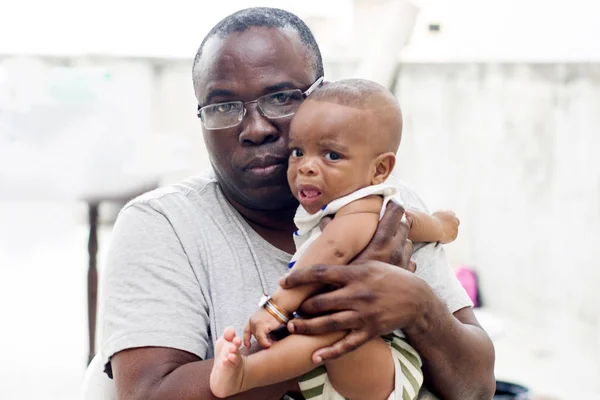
(297, 153)
(332, 156)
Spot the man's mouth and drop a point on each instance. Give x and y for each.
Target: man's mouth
(266, 166)
(266, 170)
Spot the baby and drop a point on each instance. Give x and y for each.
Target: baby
(343, 144)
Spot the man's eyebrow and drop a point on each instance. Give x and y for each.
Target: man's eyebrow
(218, 93)
(279, 86)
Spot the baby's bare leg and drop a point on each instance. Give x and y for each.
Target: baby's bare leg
(233, 373)
(227, 374)
(284, 360)
(366, 373)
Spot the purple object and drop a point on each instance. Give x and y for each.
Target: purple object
(467, 278)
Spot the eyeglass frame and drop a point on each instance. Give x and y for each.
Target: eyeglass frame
(304, 94)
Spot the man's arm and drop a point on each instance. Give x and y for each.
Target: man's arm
(152, 373)
(156, 319)
(458, 354)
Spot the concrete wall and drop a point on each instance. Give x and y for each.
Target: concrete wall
(514, 150)
(511, 147)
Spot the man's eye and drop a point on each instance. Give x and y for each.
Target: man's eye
(297, 153)
(332, 156)
(223, 107)
(280, 98)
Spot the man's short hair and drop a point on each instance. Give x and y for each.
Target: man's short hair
(267, 17)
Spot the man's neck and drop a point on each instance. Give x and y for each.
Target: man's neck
(275, 226)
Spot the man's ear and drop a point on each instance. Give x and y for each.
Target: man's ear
(383, 166)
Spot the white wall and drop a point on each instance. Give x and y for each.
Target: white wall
(506, 31)
(513, 148)
(471, 30)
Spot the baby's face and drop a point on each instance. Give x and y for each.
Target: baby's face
(331, 153)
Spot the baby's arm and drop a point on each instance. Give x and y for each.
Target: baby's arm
(441, 226)
(341, 240)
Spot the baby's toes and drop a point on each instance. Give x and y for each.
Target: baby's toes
(233, 358)
(229, 334)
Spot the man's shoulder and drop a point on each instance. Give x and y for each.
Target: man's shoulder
(188, 191)
(191, 209)
(409, 197)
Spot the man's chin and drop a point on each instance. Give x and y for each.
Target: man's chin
(272, 198)
(262, 198)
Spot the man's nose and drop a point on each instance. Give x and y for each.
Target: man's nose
(308, 167)
(257, 129)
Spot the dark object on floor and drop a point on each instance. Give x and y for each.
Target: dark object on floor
(512, 391)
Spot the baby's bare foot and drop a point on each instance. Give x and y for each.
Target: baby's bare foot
(228, 369)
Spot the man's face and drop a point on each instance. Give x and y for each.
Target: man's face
(250, 160)
(331, 152)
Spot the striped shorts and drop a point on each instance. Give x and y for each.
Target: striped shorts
(315, 384)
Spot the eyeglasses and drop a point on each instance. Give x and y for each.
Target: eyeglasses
(272, 106)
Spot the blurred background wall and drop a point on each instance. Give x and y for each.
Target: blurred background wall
(502, 124)
(513, 148)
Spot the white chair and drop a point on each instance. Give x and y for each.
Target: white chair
(96, 384)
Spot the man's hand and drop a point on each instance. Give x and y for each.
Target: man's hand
(372, 297)
(261, 323)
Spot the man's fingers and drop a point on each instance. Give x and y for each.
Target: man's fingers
(336, 275)
(337, 300)
(402, 229)
(392, 217)
(407, 252)
(389, 224)
(341, 321)
(350, 342)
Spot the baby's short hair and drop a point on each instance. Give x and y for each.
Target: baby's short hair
(370, 96)
(355, 93)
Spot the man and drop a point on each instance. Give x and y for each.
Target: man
(188, 260)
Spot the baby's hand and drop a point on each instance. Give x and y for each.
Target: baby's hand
(259, 325)
(449, 222)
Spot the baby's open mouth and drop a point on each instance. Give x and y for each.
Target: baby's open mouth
(309, 195)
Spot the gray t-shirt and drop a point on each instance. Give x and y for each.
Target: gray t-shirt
(183, 265)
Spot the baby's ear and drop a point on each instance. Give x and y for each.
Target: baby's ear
(382, 167)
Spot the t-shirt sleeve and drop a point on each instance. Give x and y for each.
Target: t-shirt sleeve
(151, 293)
(432, 265)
